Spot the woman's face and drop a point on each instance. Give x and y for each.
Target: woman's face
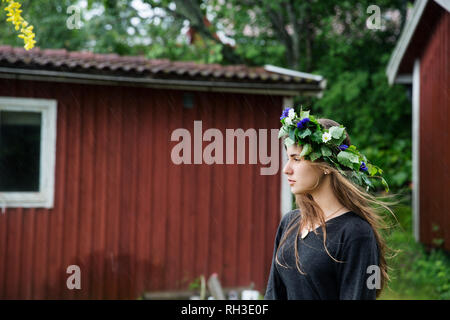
(302, 177)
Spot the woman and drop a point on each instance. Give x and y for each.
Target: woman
(330, 247)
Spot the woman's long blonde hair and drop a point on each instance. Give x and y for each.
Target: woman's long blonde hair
(353, 197)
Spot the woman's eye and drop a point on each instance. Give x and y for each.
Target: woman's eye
(296, 159)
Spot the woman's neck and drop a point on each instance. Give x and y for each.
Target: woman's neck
(326, 199)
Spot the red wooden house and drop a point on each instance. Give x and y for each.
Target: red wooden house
(422, 60)
(87, 178)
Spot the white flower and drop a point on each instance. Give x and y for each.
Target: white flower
(290, 117)
(326, 137)
(291, 114)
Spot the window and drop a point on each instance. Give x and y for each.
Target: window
(27, 152)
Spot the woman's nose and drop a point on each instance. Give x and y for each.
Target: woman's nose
(287, 169)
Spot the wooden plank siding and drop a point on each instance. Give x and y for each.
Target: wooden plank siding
(434, 135)
(130, 218)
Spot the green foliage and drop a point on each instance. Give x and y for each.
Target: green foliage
(377, 118)
(195, 284)
(416, 273)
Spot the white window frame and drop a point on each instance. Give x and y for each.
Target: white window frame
(45, 196)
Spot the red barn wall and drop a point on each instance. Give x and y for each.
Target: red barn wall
(131, 219)
(434, 135)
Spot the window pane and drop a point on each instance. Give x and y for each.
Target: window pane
(20, 142)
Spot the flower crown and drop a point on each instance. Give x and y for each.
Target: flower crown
(319, 142)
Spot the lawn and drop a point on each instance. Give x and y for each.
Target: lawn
(416, 273)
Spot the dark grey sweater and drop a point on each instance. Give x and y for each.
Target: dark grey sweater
(349, 238)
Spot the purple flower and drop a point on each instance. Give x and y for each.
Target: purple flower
(363, 166)
(303, 123)
(343, 147)
(285, 113)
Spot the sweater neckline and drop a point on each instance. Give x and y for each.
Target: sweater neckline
(326, 222)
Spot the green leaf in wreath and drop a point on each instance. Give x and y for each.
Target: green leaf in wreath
(342, 172)
(372, 169)
(292, 134)
(282, 132)
(341, 139)
(355, 177)
(336, 132)
(348, 159)
(305, 133)
(288, 142)
(325, 150)
(366, 180)
(304, 114)
(385, 184)
(316, 137)
(306, 150)
(315, 155)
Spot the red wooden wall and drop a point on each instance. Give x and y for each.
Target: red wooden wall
(131, 219)
(434, 135)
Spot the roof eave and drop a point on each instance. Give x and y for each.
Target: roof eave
(282, 89)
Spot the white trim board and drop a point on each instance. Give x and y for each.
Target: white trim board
(444, 4)
(292, 73)
(286, 195)
(416, 148)
(403, 79)
(405, 38)
(45, 196)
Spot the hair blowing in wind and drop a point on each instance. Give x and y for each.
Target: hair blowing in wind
(371, 208)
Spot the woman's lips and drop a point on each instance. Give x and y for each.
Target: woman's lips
(291, 181)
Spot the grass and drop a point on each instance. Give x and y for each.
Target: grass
(417, 274)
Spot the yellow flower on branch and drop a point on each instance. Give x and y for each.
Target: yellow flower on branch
(26, 31)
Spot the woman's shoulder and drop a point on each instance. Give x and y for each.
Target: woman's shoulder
(289, 216)
(354, 226)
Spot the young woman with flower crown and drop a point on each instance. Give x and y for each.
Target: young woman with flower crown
(330, 247)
